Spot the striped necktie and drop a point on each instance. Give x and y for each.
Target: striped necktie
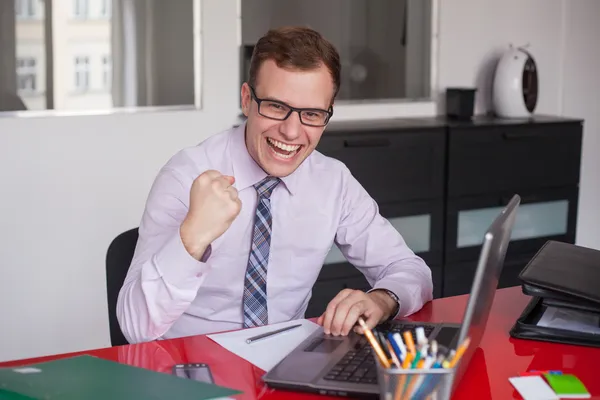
(255, 283)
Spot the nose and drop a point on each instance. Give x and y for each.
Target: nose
(291, 128)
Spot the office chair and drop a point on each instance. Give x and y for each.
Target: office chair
(118, 258)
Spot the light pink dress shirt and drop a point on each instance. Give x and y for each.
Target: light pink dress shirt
(167, 293)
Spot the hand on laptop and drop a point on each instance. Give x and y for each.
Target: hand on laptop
(343, 311)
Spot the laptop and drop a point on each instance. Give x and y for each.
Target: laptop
(345, 366)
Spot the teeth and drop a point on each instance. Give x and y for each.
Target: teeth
(283, 146)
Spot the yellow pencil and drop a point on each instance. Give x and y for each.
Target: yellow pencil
(459, 352)
(371, 338)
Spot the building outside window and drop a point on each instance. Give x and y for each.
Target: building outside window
(28, 9)
(81, 8)
(105, 9)
(26, 75)
(106, 72)
(82, 73)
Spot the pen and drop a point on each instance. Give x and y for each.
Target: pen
(410, 344)
(374, 343)
(434, 348)
(269, 334)
(395, 359)
(395, 346)
(420, 334)
(459, 352)
(400, 343)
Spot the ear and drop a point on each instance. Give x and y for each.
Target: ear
(246, 99)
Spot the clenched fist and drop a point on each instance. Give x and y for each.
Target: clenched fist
(214, 204)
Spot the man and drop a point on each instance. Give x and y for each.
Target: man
(236, 229)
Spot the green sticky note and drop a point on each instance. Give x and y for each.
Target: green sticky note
(567, 386)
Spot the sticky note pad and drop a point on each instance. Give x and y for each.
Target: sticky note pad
(567, 386)
(533, 388)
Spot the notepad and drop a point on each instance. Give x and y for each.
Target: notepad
(567, 386)
(533, 388)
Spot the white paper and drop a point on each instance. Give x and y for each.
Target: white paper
(571, 320)
(266, 353)
(533, 388)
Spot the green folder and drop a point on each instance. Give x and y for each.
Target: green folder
(91, 378)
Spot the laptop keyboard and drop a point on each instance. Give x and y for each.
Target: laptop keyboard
(358, 365)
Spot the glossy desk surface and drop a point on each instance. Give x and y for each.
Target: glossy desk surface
(498, 358)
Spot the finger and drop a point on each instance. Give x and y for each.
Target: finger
(342, 309)
(233, 193)
(230, 179)
(320, 320)
(330, 310)
(373, 316)
(221, 183)
(355, 311)
(212, 174)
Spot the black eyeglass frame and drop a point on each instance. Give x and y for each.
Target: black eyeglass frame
(291, 110)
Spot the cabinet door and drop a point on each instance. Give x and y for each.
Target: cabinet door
(498, 158)
(392, 166)
(544, 215)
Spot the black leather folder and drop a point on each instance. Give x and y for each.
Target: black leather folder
(564, 281)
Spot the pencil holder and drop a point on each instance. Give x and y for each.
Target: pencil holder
(415, 384)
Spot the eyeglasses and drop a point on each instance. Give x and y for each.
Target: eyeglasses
(280, 111)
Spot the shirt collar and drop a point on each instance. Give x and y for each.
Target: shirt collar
(245, 170)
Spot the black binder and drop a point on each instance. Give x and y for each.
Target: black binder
(564, 280)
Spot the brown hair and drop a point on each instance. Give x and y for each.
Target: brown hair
(296, 47)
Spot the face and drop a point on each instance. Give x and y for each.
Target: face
(279, 147)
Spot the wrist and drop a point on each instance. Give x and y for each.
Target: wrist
(387, 301)
(194, 242)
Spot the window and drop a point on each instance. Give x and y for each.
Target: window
(106, 72)
(82, 73)
(384, 46)
(26, 75)
(81, 8)
(27, 9)
(105, 8)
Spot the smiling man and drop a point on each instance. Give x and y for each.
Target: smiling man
(236, 229)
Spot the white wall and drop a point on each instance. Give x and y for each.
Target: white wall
(563, 37)
(581, 98)
(69, 185)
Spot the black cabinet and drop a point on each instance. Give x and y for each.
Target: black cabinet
(490, 160)
(440, 183)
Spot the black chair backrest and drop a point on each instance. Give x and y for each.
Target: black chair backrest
(118, 259)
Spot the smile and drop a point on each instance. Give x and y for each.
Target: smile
(283, 150)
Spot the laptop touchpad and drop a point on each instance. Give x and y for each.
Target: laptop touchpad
(323, 345)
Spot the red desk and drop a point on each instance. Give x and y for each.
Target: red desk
(498, 358)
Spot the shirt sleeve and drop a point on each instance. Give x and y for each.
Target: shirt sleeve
(378, 250)
(163, 278)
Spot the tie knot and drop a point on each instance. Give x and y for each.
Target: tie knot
(265, 187)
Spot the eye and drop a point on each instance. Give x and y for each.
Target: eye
(276, 106)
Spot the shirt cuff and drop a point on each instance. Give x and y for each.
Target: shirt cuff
(176, 265)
